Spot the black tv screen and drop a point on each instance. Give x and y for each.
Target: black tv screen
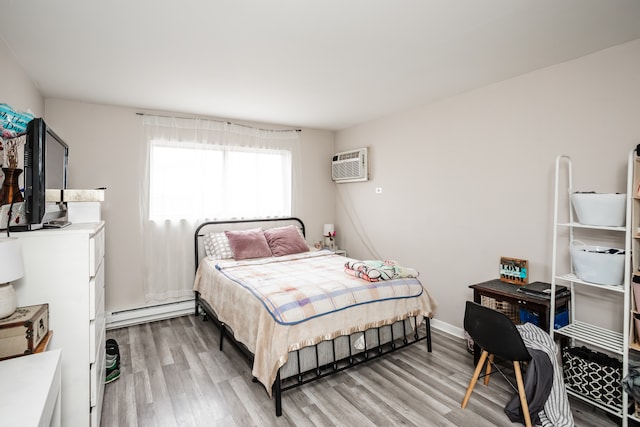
(46, 158)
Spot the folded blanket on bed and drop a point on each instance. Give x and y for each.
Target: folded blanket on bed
(375, 271)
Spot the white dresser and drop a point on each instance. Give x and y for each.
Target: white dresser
(65, 268)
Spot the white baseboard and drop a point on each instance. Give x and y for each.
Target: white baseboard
(448, 328)
(136, 316)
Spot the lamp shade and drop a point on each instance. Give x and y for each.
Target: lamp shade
(327, 230)
(11, 265)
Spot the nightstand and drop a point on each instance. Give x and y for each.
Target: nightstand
(504, 297)
(340, 252)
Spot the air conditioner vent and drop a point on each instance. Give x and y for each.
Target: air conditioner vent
(349, 155)
(350, 166)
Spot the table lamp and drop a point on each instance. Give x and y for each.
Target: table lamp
(11, 268)
(328, 231)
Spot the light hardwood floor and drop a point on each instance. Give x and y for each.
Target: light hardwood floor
(172, 374)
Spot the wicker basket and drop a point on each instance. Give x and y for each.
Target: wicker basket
(504, 307)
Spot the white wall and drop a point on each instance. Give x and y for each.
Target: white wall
(104, 151)
(470, 178)
(16, 89)
(465, 180)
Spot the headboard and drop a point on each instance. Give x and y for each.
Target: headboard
(238, 224)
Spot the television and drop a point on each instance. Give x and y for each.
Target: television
(46, 158)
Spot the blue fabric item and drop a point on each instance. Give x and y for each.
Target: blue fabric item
(12, 120)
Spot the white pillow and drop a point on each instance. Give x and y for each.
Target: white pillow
(216, 246)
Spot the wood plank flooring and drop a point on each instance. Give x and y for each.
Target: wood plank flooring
(172, 374)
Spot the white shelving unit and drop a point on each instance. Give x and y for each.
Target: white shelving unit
(634, 202)
(578, 331)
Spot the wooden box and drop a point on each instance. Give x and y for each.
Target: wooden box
(21, 332)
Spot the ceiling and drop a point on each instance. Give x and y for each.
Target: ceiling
(327, 64)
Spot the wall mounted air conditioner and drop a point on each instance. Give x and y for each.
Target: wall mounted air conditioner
(350, 166)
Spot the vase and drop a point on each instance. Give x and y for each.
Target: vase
(10, 191)
(7, 300)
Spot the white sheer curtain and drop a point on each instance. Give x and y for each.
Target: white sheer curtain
(212, 181)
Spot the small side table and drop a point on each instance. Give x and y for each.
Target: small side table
(32, 380)
(508, 292)
(340, 252)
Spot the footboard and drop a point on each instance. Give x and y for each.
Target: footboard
(329, 357)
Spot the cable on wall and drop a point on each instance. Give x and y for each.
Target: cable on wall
(357, 224)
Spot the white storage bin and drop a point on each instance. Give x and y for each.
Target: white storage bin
(604, 209)
(597, 264)
(81, 212)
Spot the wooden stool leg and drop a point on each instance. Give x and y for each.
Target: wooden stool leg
(488, 372)
(523, 396)
(474, 379)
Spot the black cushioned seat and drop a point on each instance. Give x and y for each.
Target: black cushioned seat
(497, 336)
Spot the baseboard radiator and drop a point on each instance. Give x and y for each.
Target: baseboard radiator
(136, 316)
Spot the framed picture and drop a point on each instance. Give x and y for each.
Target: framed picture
(514, 270)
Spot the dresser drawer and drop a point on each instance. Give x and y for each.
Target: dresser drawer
(96, 251)
(96, 411)
(96, 332)
(96, 292)
(97, 372)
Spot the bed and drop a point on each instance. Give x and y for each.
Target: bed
(292, 310)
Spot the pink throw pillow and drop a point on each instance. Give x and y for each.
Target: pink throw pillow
(285, 241)
(247, 244)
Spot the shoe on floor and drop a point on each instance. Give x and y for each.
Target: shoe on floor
(112, 362)
(112, 375)
(112, 347)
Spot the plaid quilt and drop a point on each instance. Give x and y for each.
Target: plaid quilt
(296, 288)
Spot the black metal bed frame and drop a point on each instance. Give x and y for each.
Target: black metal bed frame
(320, 370)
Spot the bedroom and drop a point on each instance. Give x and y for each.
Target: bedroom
(445, 168)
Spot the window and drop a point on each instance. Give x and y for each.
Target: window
(199, 169)
(194, 180)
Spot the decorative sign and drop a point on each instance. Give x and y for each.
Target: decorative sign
(514, 270)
